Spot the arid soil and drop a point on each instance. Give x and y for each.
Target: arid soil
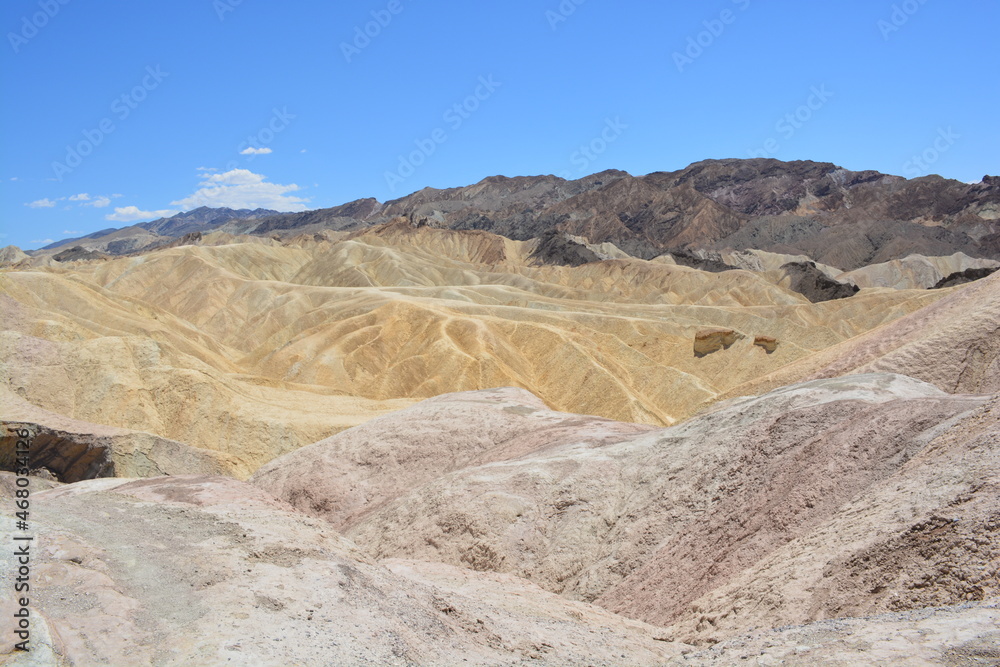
(709, 417)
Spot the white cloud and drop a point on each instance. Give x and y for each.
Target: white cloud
(41, 203)
(303, 150)
(99, 202)
(13, 178)
(255, 151)
(133, 214)
(45, 241)
(67, 232)
(83, 196)
(241, 188)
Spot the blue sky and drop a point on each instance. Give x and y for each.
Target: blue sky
(122, 111)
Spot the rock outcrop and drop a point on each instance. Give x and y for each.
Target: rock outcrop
(72, 450)
(768, 343)
(712, 340)
(78, 253)
(95, 451)
(963, 277)
(835, 216)
(556, 248)
(923, 537)
(700, 451)
(806, 279)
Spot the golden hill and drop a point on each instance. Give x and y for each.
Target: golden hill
(253, 348)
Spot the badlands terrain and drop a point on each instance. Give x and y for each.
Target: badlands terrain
(746, 412)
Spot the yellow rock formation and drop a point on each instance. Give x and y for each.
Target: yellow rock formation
(252, 348)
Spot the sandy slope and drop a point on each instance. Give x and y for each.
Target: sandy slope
(255, 349)
(914, 271)
(953, 344)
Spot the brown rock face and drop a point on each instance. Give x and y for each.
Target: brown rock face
(838, 217)
(767, 342)
(712, 340)
(555, 248)
(637, 209)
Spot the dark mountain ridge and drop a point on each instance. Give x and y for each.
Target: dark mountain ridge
(203, 218)
(836, 216)
(198, 219)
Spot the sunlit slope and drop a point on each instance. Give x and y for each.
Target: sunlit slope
(953, 344)
(87, 353)
(253, 349)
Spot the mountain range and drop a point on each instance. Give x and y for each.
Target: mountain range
(847, 219)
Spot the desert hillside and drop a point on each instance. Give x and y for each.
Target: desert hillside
(252, 348)
(744, 411)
